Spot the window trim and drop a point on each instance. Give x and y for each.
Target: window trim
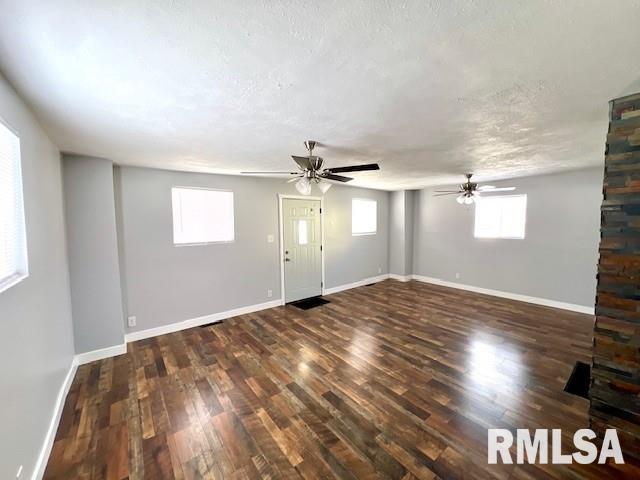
(196, 244)
(524, 231)
(363, 234)
(12, 280)
(19, 275)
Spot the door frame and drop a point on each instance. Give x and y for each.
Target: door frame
(282, 196)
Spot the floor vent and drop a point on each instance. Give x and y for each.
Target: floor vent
(579, 380)
(309, 303)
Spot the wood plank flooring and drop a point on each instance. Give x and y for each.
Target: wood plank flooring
(395, 380)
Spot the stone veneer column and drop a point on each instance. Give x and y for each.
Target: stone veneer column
(615, 376)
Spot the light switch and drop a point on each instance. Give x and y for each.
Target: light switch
(271, 238)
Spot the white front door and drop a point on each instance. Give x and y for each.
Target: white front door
(302, 248)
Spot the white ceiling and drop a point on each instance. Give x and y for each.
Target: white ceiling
(429, 89)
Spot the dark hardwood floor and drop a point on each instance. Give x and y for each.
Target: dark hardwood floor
(395, 380)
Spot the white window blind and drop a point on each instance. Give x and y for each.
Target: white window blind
(364, 215)
(202, 216)
(501, 217)
(13, 242)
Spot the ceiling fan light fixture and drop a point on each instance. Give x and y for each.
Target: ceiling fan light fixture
(468, 200)
(303, 186)
(460, 199)
(324, 187)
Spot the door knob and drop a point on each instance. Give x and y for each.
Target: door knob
(287, 260)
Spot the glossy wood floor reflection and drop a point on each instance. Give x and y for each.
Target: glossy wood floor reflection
(396, 380)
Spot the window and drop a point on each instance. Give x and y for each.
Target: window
(303, 236)
(13, 240)
(364, 215)
(202, 216)
(501, 217)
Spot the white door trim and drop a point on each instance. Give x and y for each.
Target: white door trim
(282, 196)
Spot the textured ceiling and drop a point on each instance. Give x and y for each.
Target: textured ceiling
(429, 89)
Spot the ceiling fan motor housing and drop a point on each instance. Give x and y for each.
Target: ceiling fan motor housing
(310, 145)
(310, 169)
(316, 163)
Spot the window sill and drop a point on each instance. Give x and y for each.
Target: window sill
(196, 244)
(363, 234)
(499, 238)
(8, 282)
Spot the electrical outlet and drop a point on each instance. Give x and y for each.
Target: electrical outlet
(19, 472)
(131, 321)
(269, 293)
(271, 238)
(457, 274)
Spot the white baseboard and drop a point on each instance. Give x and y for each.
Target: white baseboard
(196, 322)
(400, 278)
(86, 357)
(78, 359)
(43, 457)
(512, 296)
(360, 283)
(101, 353)
(216, 317)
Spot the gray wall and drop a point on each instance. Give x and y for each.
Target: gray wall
(409, 200)
(36, 337)
(93, 253)
(401, 232)
(397, 244)
(167, 284)
(557, 260)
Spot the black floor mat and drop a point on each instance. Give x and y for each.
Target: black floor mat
(219, 322)
(578, 383)
(308, 303)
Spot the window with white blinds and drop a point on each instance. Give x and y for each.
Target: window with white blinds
(364, 215)
(13, 242)
(202, 216)
(501, 217)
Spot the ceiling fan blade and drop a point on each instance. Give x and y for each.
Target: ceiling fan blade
(303, 162)
(448, 193)
(501, 189)
(270, 173)
(354, 168)
(294, 179)
(337, 178)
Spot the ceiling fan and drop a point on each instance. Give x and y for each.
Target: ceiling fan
(469, 192)
(310, 171)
